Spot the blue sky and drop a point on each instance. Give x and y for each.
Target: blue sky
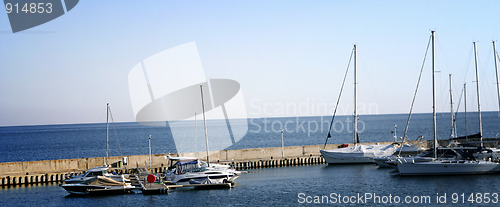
(285, 55)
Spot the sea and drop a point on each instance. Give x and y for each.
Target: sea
(50, 142)
(337, 185)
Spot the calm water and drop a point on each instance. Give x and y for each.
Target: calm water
(26, 143)
(283, 187)
(264, 187)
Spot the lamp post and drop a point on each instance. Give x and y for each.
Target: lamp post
(282, 145)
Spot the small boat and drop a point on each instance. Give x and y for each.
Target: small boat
(99, 185)
(449, 167)
(101, 170)
(356, 153)
(189, 170)
(405, 151)
(89, 175)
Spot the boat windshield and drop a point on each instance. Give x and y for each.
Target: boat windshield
(183, 166)
(95, 173)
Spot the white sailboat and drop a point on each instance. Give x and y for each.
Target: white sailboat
(356, 153)
(447, 167)
(97, 179)
(100, 170)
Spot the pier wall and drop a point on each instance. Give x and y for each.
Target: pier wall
(45, 171)
(82, 164)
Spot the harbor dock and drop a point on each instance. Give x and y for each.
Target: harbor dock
(55, 171)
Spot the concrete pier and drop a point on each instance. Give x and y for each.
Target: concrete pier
(49, 171)
(53, 171)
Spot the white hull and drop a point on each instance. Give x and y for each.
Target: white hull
(217, 176)
(382, 162)
(83, 189)
(448, 168)
(357, 154)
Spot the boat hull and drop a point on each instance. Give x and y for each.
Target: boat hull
(333, 159)
(95, 189)
(448, 168)
(361, 154)
(382, 162)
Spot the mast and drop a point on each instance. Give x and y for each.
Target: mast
(478, 102)
(495, 54)
(204, 123)
(453, 126)
(149, 142)
(434, 97)
(107, 133)
(465, 112)
(195, 132)
(355, 103)
(395, 136)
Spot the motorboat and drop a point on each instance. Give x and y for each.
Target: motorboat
(189, 170)
(406, 150)
(89, 175)
(98, 185)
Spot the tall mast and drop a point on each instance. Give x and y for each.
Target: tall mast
(465, 112)
(195, 133)
(495, 54)
(149, 143)
(355, 103)
(204, 123)
(453, 126)
(478, 102)
(434, 98)
(107, 132)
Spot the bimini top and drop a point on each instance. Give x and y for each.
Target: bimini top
(98, 169)
(181, 158)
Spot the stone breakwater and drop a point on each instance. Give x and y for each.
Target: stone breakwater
(54, 171)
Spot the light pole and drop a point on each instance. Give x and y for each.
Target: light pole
(282, 145)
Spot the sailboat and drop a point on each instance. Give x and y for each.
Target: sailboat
(190, 170)
(356, 153)
(495, 56)
(446, 167)
(98, 179)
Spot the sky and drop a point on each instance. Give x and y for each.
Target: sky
(288, 56)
